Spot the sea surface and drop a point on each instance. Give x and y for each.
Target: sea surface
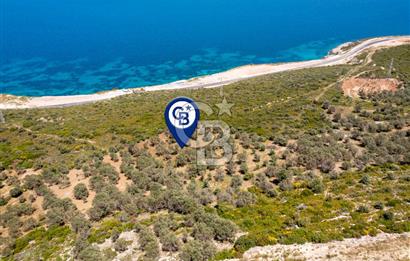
(65, 47)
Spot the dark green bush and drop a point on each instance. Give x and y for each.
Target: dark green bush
(15, 192)
(388, 215)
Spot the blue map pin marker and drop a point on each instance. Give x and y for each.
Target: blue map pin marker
(182, 116)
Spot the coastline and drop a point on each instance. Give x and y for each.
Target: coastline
(337, 56)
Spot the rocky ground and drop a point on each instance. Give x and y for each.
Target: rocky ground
(354, 86)
(381, 247)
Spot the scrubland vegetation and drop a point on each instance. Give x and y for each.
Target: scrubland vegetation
(310, 165)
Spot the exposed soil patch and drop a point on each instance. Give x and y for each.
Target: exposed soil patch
(353, 87)
(75, 177)
(123, 182)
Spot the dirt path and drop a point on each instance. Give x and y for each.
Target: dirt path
(349, 74)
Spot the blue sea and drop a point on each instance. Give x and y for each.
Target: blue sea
(62, 47)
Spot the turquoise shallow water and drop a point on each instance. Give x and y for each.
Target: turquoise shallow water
(77, 47)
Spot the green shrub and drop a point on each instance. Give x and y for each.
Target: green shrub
(378, 205)
(55, 217)
(388, 215)
(3, 201)
(202, 232)
(90, 253)
(363, 209)
(121, 245)
(81, 191)
(245, 198)
(244, 243)
(224, 230)
(79, 224)
(163, 225)
(197, 251)
(236, 181)
(170, 242)
(316, 185)
(365, 180)
(151, 251)
(15, 192)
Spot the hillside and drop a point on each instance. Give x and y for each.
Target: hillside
(319, 155)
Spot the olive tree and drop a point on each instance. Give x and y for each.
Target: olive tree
(81, 191)
(197, 251)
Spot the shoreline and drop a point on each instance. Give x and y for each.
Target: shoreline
(337, 56)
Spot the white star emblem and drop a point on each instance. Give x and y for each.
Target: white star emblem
(224, 107)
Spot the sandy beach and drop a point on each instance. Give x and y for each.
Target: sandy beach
(337, 57)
